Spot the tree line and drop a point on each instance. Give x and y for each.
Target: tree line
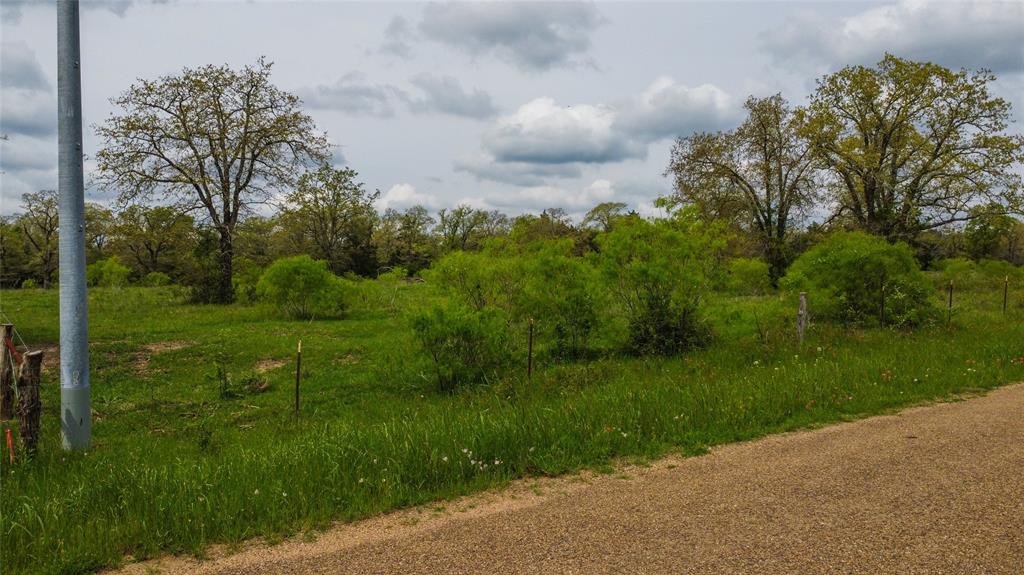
(906, 150)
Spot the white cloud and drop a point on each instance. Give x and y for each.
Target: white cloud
(404, 195)
(957, 34)
(667, 109)
(544, 132)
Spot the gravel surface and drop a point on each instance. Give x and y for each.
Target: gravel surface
(936, 489)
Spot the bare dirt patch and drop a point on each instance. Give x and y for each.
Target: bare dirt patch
(268, 364)
(162, 346)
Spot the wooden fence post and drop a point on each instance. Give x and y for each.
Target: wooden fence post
(298, 375)
(29, 405)
(1006, 292)
(529, 353)
(801, 318)
(881, 307)
(949, 307)
(6, 372)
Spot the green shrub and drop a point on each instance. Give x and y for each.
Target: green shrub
(302, 287)
(859, 278)
(971, 275)
(561, 292)
(656, 272)
(467, 346)
(29, 284)
(107, 273)
(156, 279)
(748, 276)
(244, 280)
(481, 279)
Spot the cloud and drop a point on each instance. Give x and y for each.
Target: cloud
(27, 102)
(666, 110)
(20, 69)
(543, 139)
(981, 34)
(530, 35)
(445, 95)
(396, 38)
(11, 10)
(484, 167)
(543, 132)
(353, 94)
(405, 196)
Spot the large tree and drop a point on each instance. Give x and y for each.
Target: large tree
(336, 217)
(761, 175)
(214, 139)
(912, 146)
(154, 236)
(38, 226)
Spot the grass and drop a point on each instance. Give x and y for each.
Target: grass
(176, 467)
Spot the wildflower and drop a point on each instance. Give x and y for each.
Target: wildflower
(445, 459)
(531, 449)
(497, 462)
(257, 492)
(361, 480)
(283, 494)
(819, 349)
(624, 434)
(757, 362)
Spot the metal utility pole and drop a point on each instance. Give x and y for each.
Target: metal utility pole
(75, 419)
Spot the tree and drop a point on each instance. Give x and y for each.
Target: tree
(603, 215)
(154, 236)
(13, 256)
(39, 229)
(403, 239)
(457, 227)
(336, 216)
(913, 146)
(761, 175)
(99, 227)
(214, 139)
(987, 230)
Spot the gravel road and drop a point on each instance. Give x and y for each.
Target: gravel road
(936, 489)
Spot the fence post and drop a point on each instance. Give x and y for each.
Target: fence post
(801, 318)
(6, 372)
(529, 353)
(1006, 292)
(949, 307)
(298, 375)
(28, 399)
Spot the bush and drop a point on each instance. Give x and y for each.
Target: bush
(107, 273)
(561, 292)
(467, 346)
(847, 274)
(657, 274)
(302, 287)
(244, 280)
(748, 276)
(156, 279)
(29, 284)
(971, 275)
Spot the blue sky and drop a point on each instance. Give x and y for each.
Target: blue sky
(517, 107)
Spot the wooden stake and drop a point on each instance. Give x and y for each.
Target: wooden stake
(1006, 292)
(6, 372)
(29, 405)
(801, 318)
(949, 308)
(529, 353)
(298, 375)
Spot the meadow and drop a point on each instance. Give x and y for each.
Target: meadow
(196, 440)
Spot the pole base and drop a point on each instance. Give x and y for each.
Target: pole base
(76, 418)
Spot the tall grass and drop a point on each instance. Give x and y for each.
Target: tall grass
(268, 473)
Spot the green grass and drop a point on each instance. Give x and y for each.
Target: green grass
(175, 467)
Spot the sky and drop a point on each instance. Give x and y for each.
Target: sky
(510, 106)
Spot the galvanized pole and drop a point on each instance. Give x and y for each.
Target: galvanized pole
(76, 420)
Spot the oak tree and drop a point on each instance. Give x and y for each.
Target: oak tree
(214, 139)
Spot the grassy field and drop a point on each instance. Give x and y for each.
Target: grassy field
(177, 465)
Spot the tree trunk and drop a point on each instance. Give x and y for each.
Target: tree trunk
(225, 291)
(6, 373)
(28, 400)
